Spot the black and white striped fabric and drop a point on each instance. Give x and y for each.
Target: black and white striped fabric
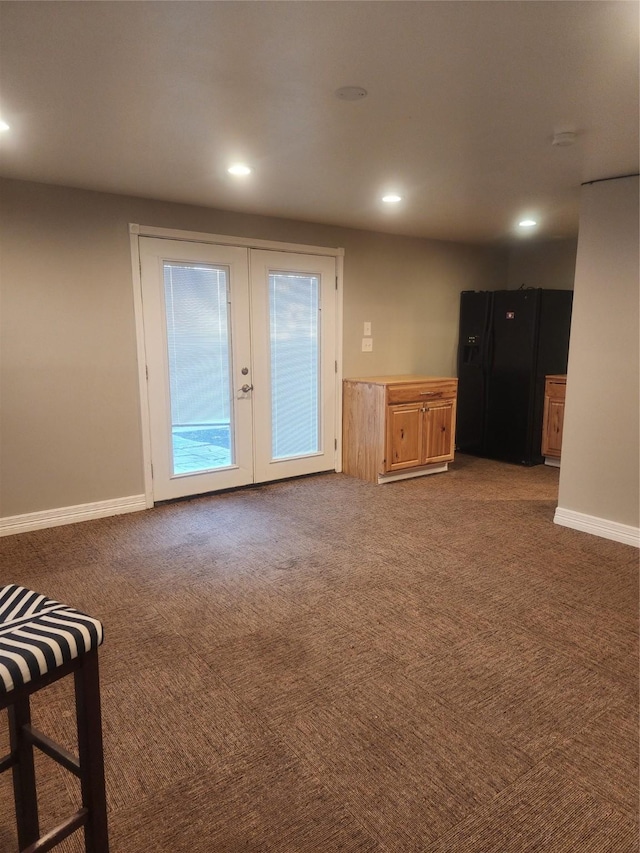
(37, 635)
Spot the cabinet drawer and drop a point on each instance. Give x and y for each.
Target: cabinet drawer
(555, 390)
(421, 393)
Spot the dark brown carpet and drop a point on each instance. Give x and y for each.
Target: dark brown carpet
(429, 666)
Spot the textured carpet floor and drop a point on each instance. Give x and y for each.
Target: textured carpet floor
(430, 666)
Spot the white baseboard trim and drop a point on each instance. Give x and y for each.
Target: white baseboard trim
(70, 514)
(598, 526)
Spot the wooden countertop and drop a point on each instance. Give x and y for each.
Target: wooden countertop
(405, 377)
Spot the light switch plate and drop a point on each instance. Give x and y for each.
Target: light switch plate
(367, 329)
(367, 345)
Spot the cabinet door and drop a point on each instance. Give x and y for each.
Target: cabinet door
(438, 432)
(553, 423)
(404, 437)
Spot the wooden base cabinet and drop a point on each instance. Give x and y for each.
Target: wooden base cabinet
(398, 426)
(553, 418)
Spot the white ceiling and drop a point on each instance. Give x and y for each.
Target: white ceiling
(156, 99)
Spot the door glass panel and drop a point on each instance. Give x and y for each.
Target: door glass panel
(199, 357)
(294, 305)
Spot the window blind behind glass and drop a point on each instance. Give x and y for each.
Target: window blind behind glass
(198, 343)
(295, 364)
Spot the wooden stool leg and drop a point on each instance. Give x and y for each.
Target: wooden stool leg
(90, 753)
(24, 774)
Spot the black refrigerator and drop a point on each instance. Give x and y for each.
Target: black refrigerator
(509, 341)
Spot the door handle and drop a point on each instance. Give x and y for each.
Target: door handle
(246, 388)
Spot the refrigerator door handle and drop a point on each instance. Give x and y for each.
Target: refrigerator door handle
(489, 351)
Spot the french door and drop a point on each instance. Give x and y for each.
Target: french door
(240, 346)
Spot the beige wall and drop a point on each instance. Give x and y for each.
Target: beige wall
(69, 414)
(600, 449)
(546, 263)
(410, 292)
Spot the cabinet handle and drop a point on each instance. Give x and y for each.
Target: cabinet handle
(427, 393)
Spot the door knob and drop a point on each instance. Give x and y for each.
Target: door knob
(246, 388)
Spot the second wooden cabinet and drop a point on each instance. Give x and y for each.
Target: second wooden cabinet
(395, 424)
(553, 419)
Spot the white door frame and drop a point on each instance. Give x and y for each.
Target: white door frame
(136, 231)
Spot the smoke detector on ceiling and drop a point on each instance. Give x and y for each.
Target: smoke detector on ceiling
(563, 138)
(351, 93)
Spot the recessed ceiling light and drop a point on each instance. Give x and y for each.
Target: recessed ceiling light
(391, 198)
(527, 223)
(4, 125)
(239, 169)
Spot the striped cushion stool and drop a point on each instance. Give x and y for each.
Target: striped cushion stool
(40, 642)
